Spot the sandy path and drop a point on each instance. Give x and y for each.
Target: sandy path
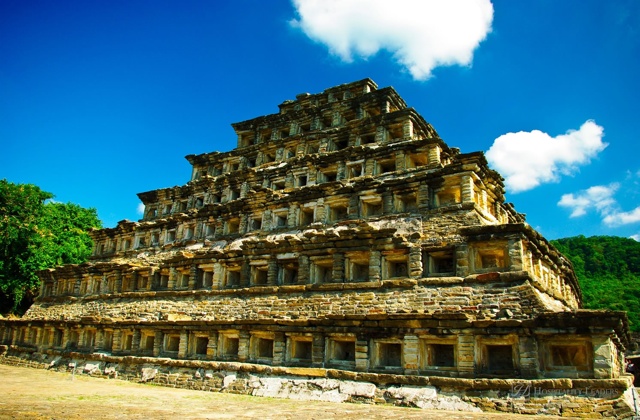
(37, 394)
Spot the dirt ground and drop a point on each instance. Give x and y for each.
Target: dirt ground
(36, 394)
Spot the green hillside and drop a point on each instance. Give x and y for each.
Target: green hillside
(608, 269)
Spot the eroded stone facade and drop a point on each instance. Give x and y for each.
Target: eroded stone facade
(341, 233)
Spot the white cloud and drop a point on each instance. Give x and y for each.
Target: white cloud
(599, 197)
(421, 35)
(635, 237)
(622, 218)
(528, 159)
(140, 208)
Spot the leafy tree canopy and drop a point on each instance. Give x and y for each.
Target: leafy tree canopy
(608, 270)
(36, 234)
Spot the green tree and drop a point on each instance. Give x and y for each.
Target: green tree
(66, 239)
(35, 235)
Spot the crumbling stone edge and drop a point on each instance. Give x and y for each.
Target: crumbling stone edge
(559, 397)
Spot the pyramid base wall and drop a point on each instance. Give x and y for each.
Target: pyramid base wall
(557, 397)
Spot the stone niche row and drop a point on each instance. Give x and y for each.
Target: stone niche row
(459, 353)
(358, 265)
(223, 185)
(364, 128)
(310, 113)
(260, 216)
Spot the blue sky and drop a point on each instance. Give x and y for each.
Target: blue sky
(100, 100)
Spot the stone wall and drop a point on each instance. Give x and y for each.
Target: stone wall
(558, 397)
(583, 344)
(480, 296)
